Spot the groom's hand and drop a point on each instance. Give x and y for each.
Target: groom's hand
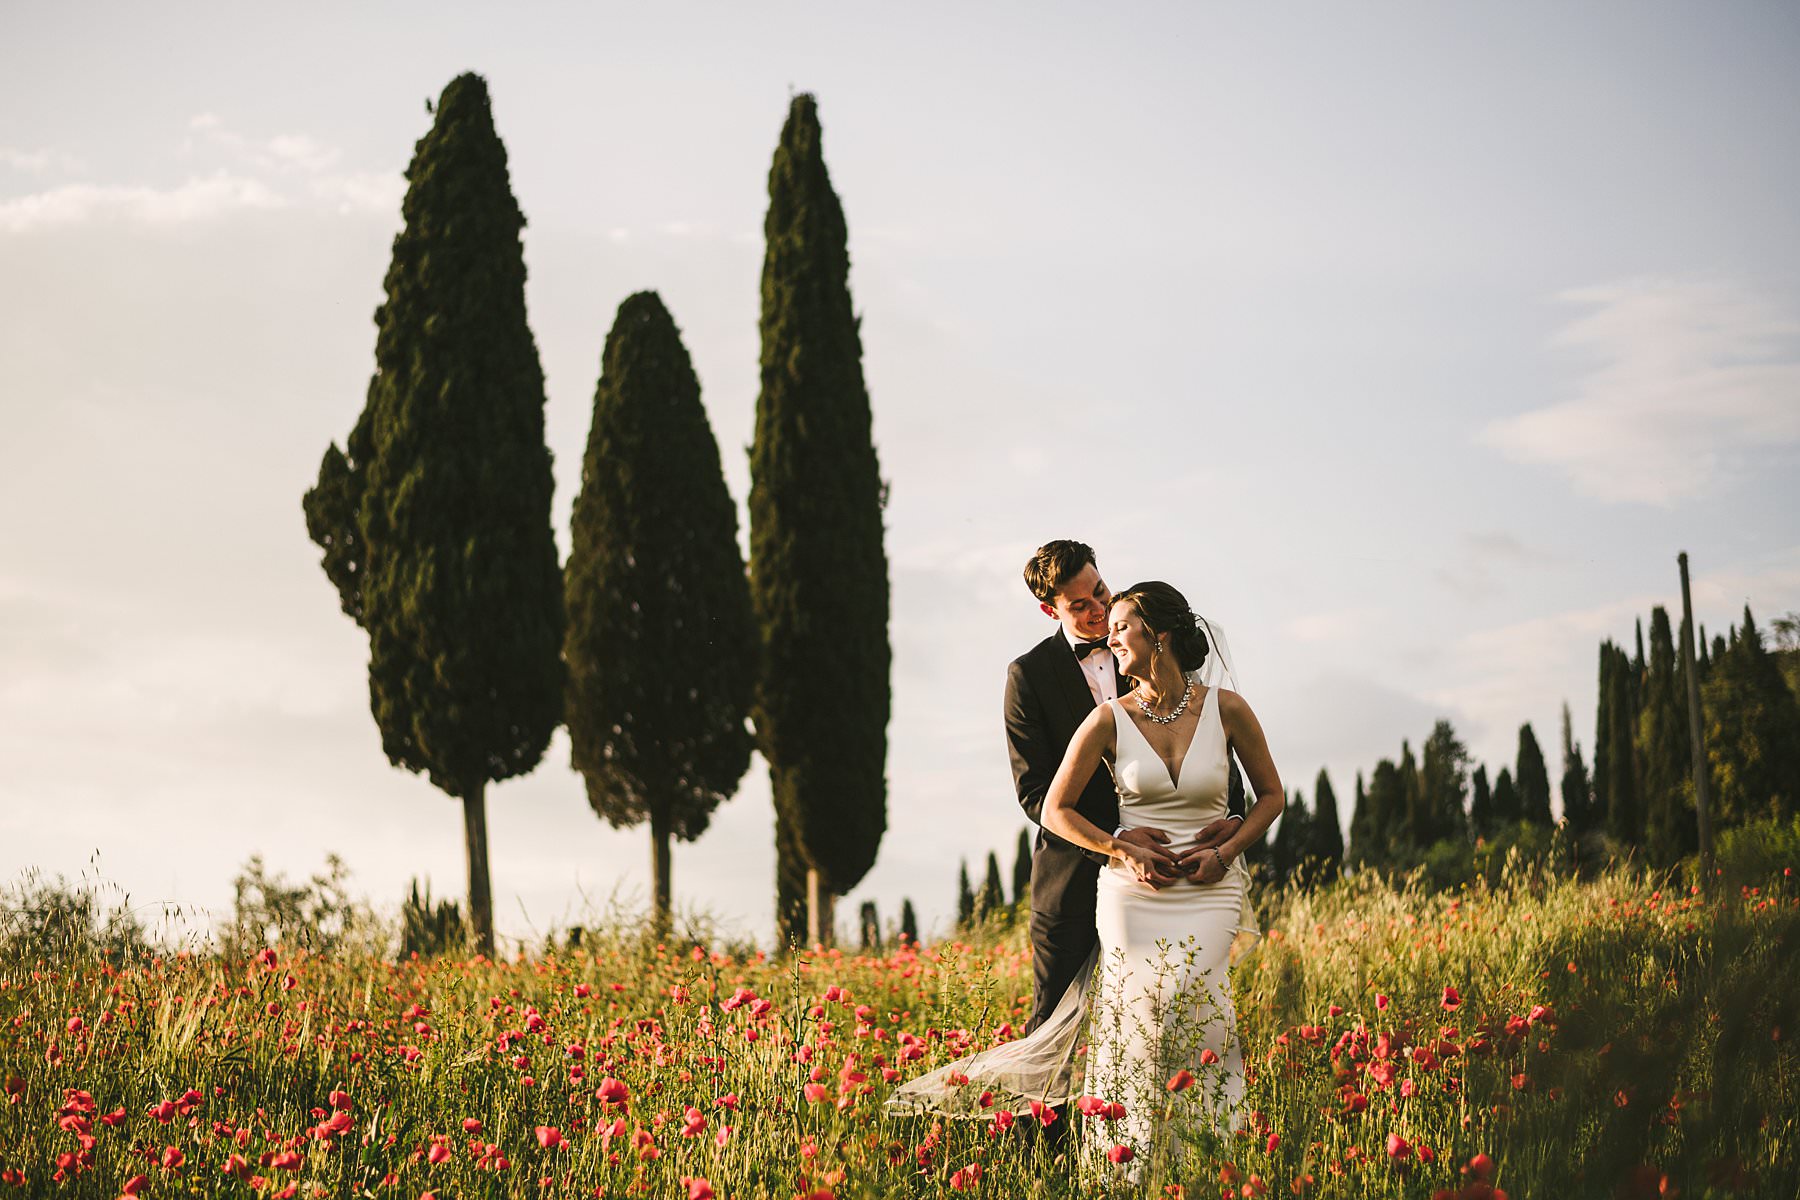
(1151, 837)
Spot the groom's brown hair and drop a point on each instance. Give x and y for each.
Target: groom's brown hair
(1054, 564)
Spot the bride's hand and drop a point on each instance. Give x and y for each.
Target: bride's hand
(1201, 864)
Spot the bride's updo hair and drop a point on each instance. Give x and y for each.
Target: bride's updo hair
(1165, 610)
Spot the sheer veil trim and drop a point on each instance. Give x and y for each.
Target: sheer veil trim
(1038, 1067)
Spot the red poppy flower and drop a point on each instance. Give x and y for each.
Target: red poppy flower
(1121, 1154)
(1180, 1081)
(1452, 998)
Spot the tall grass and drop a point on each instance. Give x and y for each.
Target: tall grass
(1600, 1038)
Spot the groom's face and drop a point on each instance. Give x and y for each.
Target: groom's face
(1081, 604)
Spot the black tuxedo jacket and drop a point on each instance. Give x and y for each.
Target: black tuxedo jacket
(1047, 699)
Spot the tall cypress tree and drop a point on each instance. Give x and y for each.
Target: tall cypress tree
(965, 897)
(1577, 793)
(1444, 781)
(436, 525)
(1532, 778)
(1376, 842)
(1481, 805)
(1021, 880)
(818, 568)
(1326, 845)
(993, 897)
(1670, 828)
(660, 644)
(1287, 856)
(1506, 799)
(869, 922)
(1624, 812)
(1417, 829)
(909, 923)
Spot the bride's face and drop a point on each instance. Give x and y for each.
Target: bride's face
(1130, 641)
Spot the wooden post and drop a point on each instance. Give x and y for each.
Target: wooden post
(1696, 731)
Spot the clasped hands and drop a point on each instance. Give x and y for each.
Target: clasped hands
(1142, 850)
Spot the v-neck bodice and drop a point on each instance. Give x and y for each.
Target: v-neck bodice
(1182, 804)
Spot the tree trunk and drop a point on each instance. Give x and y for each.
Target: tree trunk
(820, 904)
(481, 900)
(659, 870)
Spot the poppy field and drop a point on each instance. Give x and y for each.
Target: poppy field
(1613, 1037)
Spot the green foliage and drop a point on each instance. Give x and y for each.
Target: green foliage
(1443, 785)
(992, 898)
(428, 929)
(868, 922)
(1021, 878)
(57, 922)
(462, 591)
(1289, 847)
(1617, 772)
(1761, 853)
(1375, 823)
(1506, 799)
(318, 915)
(660, 643)
(1665, 748)
(1481, 804)
(818, 567)
(1532, 779)
(965, 897)
(1577, 789)
(436, 524)
(1752, 732)
(1325, 847)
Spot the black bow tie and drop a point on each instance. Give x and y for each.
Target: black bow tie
(1083, 649)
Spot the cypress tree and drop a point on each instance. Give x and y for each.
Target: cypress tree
(870, 924)
(449, 561)
(660, 644)
(993, 897)
(1532, 778)
(1670, 824)
(1577, 794)
(1287, 855)
(965, 897)
(1327, 842)
(818, 568)
(1377, 842)
(909, 923)
(1624, 814)
(1602, 723)
(1506, 799)
(1022, 868)
(1752, 732)
(1481, 805)
(1416, 828)
(1444, 781)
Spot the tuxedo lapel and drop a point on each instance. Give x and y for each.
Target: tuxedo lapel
(1071, 682)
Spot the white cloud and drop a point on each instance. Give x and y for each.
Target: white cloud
(365, 191)
(1687, 377)
(283, 171)
(197, 199)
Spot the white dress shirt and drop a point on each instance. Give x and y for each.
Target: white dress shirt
(1097, 665)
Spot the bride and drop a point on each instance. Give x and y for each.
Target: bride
(1166, 915)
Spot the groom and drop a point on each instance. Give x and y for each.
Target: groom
(1050, 690)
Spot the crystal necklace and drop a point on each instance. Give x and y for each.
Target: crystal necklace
(1186, 695)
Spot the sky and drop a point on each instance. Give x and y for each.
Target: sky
(1411, 341)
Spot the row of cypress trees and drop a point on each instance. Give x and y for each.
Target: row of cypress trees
(654, 642)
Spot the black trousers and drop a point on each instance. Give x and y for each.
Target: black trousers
(1060, 944)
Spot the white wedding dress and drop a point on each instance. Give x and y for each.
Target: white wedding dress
(1160, 989)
